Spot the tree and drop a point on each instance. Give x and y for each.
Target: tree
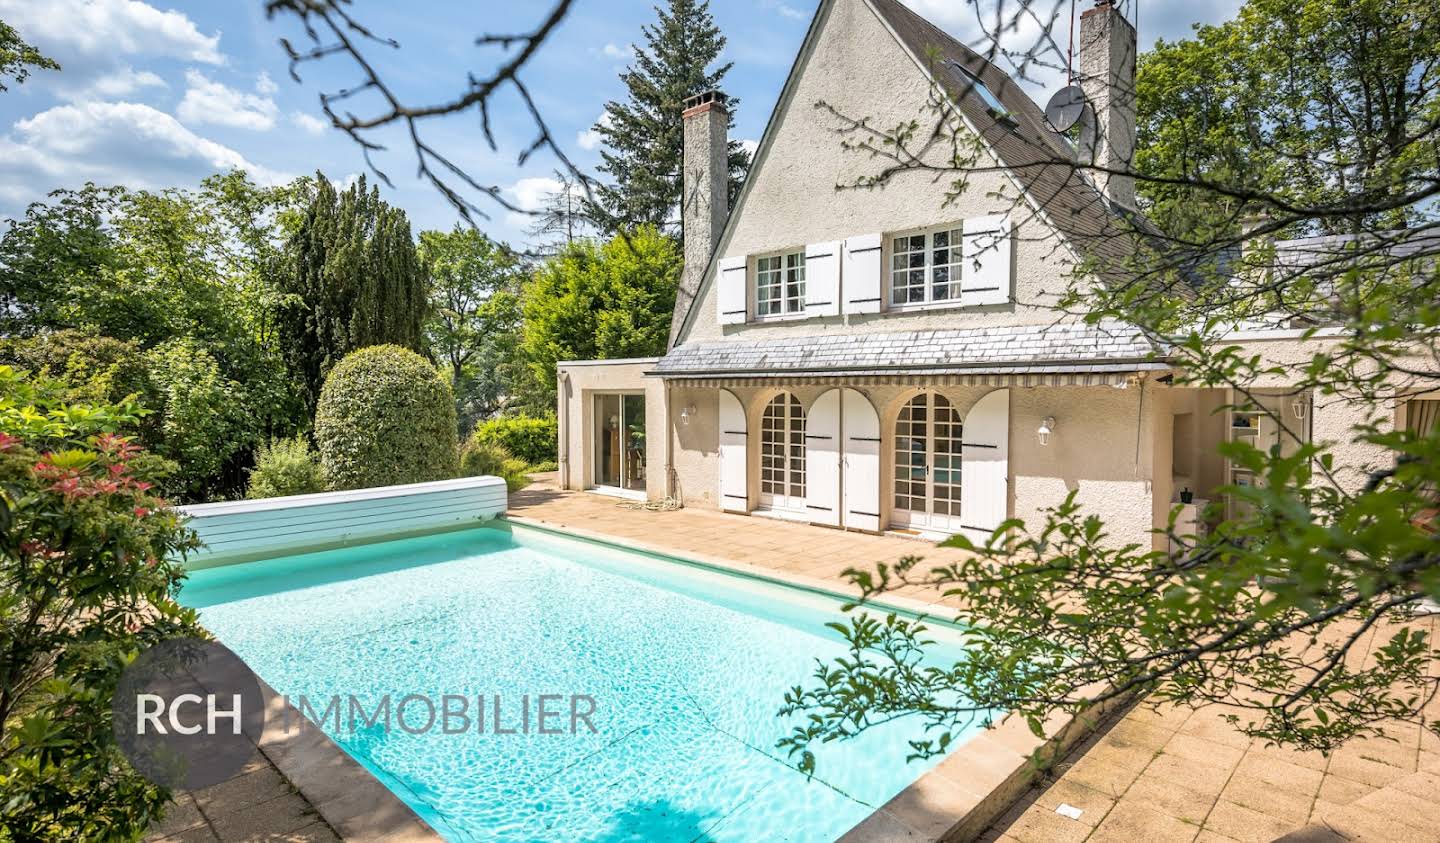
(595, 302)
(352, 280)
(1269, 612)
(644, 137)
(1318, 107)
(562, 216)
(474, 319)
(90, 561)
(17, 57)
(386, 417)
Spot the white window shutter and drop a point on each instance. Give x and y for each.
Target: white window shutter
(822, 459)
(986, 274)
(822, 279)
(985, 465)
(861, 274)
(730, 290)
(734, 462)
(861, 462)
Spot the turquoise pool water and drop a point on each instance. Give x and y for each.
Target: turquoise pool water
(686, 668)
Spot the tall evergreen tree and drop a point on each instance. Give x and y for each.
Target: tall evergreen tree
(353, 280)
(643, 136)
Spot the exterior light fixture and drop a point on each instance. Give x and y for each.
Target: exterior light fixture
(1297, 408)
(1047, 427)
(686, 413)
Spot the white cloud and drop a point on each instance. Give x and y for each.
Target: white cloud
(790, 12)
(265, 85)
(111, 143)
(614, 51)
(108, 27)
(121, 82)
(751, 146)
(208, 101)
(308, 123)
(590, 138)
(529, 194)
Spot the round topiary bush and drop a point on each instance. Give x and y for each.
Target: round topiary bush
(385, 417)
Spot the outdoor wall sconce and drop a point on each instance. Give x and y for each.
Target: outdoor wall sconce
(1297, 409)
(686, 413)
(1047, 427)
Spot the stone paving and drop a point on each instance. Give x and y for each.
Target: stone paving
(1153, 775)
(257, 804)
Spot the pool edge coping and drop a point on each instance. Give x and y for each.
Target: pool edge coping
(975, 783)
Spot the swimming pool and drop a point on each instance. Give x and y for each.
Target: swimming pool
(684, 669)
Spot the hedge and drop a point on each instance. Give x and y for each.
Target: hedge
(285, 467)
(525, 437)
(385, 417)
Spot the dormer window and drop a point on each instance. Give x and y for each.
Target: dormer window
(925, 268)
(780, 285)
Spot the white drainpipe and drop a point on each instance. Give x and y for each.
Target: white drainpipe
(562, 430)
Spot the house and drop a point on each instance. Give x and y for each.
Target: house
(891, 357)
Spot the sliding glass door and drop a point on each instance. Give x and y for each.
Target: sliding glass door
(619, 429)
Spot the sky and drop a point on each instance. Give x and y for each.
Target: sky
(160, 93)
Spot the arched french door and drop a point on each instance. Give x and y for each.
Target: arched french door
(782, 454)
(927, 465)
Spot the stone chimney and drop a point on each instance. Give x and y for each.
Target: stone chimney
(1107, 75)
(704, 191)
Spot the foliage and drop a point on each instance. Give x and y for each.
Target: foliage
(146, 269)
(88, 573)
(385, 417)
(17, 57)
(562, 217)
(598, 302)
(1293, 608)
(285, 467)
(94, 369)
(203, 421)
(644, 138)
(533, 440)
(351, 280)
(1312, 104)
(474, 322)
(479, 458)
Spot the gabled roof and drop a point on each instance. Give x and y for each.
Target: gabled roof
(1023, 143)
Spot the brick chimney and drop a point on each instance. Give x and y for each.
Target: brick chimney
(704, 190)
(1107, 75)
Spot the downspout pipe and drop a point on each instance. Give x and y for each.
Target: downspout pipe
(562, 428)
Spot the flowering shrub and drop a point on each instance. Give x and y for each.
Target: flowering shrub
(88, 574)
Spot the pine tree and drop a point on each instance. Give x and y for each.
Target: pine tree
(352, 280)
(643, 137)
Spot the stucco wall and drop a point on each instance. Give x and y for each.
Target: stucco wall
(792, 198)
(1104, 446)
(579, 383)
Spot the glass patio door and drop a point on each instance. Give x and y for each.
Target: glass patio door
(927, 465)
(619, 431)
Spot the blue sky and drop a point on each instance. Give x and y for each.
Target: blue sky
(160, 93)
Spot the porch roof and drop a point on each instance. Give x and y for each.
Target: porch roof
(1057, 352)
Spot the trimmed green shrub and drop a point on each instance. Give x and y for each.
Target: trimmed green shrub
(542, 467)
(481, 458)
(525, 437)
(285, 467)
(385, 417)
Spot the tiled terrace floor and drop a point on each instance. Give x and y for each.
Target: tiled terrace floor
(1155, 776)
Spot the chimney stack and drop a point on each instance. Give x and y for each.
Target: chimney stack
(704, 190)
(1107, 75)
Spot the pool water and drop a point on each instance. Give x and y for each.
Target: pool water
(686, 668)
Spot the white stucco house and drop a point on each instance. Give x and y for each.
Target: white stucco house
(891, 359)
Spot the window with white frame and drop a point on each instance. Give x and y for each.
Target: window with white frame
(780, 285)
(925, 267)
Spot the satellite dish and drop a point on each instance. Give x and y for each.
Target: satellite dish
(1065, 108)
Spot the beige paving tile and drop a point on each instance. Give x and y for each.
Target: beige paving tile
(1246, 824)
(1203, 751)
(1207, 836)
(1416, 811)
(1172, 796)
(1281, 775)
(267, 820)
(1039, 824)
(1132, 821)
(241, 792)
(1341, 791)
(1265, 798)
(1069, 792)
(1201, 777)
(182, 814)
(199, 834)
(1101, 775)
(1364, 770)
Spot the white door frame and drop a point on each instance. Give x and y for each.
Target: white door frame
(927, 519)
(620, 491)
(791, 467)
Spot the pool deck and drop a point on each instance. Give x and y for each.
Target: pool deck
(1148, 774)
(1155, 775)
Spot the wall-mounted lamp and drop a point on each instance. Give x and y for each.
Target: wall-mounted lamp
(686, 413)
(1046, 428)
(1297, 408)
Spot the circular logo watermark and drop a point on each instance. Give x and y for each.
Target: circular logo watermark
(188, 713)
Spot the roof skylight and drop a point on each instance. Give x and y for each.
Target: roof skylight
(982, 90)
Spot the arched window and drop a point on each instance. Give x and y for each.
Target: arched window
(927, 464)
(782, 454)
